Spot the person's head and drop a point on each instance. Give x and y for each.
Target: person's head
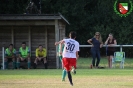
(23, 45)
(11, 47)
(40, 47)
(72, 35)
(98, 36)
(110, 36)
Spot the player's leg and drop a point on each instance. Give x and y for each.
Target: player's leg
(70, 77)
(18, 63)
(14, 63)
(45, 63)
(108, 57)
(66, 63)
(98, 58)
(29, 62)
(35, 63)
(6, 63)
(64, 70)
(111, 56)
(64, 74)
(93, 52)
(73, 65)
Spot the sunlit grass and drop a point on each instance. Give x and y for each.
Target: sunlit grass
(85, 77)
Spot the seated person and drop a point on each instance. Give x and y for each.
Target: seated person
(24, 55)
(40, 55)
(10, 54)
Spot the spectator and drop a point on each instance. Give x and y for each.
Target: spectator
(24, 55)
(10, 55)
(110, 50)
(96, 43)
(41, 54)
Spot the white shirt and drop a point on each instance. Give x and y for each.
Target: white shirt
(70, 48)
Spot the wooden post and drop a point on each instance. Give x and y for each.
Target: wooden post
(46, 42)
(57, 39)
(62, 30)
(62, 35)
(46, 39)
(29, 39)
(12, 35)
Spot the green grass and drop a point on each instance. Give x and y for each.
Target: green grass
(85, 78)
(85, 63)
(51, 78)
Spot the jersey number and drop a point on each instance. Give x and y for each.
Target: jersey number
(70, 46)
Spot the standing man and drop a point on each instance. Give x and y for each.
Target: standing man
(41, 54)
(24, 55)
(10, 55)
(70, 54)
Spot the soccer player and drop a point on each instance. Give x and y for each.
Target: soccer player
(41, 54)
(24, 55)
(60, 57)
(70, 54)
(10, 54)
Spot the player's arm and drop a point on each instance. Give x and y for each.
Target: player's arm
(101, 45)
(77, 50)
(77, 55)
(57, 43)
(61, 44)
(90, 42)
(115, 43)
(106, 42)
(37, 53)
(45, 53)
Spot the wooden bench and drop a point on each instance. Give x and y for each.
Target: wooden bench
(23, 65)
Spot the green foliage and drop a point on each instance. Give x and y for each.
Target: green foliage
(85, 17)
(13, 6)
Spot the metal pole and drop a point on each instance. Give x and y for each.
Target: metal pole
(3, 58)
(109, 46)
(120, 48)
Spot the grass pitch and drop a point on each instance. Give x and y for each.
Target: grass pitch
(51, 78)
(85, 78)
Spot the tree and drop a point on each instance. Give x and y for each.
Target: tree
(85, 17)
